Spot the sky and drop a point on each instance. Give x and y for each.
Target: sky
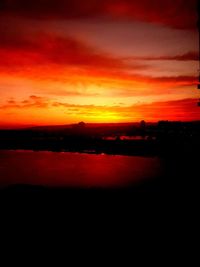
(65, 61)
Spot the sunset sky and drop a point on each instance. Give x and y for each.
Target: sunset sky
(65, 61)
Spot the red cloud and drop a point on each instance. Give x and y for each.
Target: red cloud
(183, 109)
(21, 50)
(31, 102)
(172, 13)
(55, 58)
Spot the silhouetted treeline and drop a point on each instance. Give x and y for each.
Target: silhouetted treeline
(149, 139)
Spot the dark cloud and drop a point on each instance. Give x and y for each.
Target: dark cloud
(176, 80)
(190, 56)
(172, 13)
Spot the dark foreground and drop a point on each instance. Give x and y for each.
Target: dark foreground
(155, 216)
(175, 188)
(155, 207)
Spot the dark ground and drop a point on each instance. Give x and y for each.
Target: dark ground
(175, 192)
(178, 184)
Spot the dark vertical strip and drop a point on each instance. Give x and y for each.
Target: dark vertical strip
(198, 24)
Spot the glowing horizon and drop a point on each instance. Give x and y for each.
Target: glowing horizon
(112, 61)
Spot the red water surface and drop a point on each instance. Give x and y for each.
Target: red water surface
(74, 169)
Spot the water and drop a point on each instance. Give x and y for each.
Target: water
(74, 169)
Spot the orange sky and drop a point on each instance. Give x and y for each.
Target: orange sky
(97, 61)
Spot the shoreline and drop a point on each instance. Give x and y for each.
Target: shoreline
(80, 152)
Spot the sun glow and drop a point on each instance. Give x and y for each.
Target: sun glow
(104, 116)
(109, 62)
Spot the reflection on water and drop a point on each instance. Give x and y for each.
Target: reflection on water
(125, 137)
(74, 169)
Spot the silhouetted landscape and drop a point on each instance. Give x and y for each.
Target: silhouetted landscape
(173, 145)
(141, 139)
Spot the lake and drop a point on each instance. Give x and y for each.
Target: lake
(75, 169)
